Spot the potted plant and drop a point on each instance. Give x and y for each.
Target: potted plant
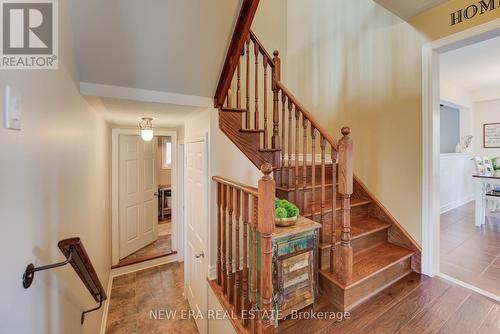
(285, 213)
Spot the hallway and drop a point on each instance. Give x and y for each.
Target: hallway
(134, 295)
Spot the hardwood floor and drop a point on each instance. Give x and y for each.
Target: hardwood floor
(415, 304)
(134, 295)
(159, 248)
(469, 253)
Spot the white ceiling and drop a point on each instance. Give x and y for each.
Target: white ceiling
(473, 68)
(129, 113)
(409, 8)
(175, 46)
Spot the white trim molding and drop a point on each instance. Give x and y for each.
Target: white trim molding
(430, 134)
(105, 307)
(177, 203)
(144, 95)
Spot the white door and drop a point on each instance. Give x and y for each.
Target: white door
(196, 194)
(138, 186)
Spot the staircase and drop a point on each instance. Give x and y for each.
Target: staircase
(363, 249)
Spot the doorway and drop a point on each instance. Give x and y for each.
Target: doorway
(452, 243)
(143, 197)
(196, 218)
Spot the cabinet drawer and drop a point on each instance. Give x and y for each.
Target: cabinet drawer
(295, 244)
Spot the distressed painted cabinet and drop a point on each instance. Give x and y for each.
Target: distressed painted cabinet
(295, 267)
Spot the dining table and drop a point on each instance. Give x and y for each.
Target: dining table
(482, 185)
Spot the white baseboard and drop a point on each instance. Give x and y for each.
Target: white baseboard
(455, 204)
(105, 307)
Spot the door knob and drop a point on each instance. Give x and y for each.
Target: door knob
(200, 254)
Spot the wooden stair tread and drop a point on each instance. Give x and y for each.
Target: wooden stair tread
(328, 206)
(359, 229)
(372, 261)
(233, 109)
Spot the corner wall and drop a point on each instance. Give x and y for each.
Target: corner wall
(354, 63)
(54, 184)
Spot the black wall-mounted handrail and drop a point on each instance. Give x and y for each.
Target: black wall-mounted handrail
(76, 255)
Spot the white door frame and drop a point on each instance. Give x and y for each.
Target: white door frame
(431, 135)
(181, 191)
(176, 203)
(207, 230)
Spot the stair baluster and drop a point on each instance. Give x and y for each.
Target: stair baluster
(283, 136)
(313, 171)
(238, 85)
(305, 124)
(237, 274)
(276, 75)
(333, 222)
(297, 133)
(219, 231)
(245, 300)
(290, 143)
(247, 85)
(230, 293)
(264, 61)
(254, 287)
(322, 144)
(224, 239)
(256, 92)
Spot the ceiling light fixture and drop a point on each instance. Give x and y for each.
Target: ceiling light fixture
(146, 126)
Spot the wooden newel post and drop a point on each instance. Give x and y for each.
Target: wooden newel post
(345, 192)
(267, 191)
(275, 141)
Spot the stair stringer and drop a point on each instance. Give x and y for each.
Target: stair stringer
(248, 142)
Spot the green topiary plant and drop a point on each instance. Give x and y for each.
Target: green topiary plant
(281, 213)
(285, 209)
(291, 210)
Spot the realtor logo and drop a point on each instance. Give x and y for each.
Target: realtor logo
(29, 38)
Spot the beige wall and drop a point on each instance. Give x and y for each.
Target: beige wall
(354, 63)
(54, 184)
(485, 112)
(270, 26)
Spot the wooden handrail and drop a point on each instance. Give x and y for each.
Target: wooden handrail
(243, 187)
(324, 132)
(240, 34)
(263, 50)
(77, 256)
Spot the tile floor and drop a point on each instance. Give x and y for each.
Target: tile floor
(469, 253)
(134, 295)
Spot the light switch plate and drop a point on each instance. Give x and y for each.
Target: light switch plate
(12, 108)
